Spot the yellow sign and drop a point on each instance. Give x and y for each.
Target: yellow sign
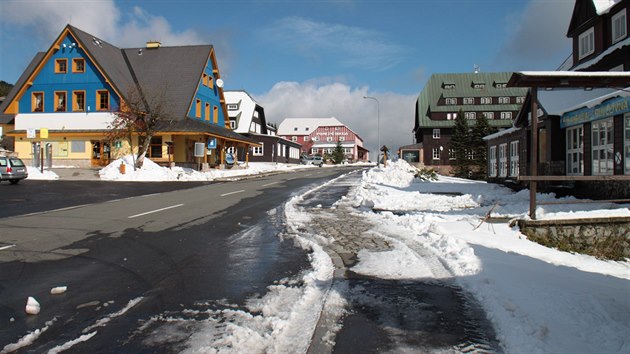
(43, 133)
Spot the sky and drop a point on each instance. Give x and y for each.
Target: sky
(315, 58)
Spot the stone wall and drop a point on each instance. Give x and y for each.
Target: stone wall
(607, 238)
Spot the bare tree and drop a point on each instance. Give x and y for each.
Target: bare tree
(141, 113)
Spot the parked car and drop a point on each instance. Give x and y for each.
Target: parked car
(317, 161)
(12, 169)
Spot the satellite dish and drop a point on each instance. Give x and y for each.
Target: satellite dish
(219, 83)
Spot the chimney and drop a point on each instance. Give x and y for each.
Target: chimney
(153, 44)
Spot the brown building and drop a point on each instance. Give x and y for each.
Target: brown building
(474, 94)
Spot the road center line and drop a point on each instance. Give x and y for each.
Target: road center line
(154, 211)
(6, 247)
(241, 191)
(269, 184)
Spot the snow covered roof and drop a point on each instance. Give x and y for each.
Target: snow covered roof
(599, 100)
(246, 106)
(612, 48)
(604, 6)
(305, 126)
(501, 133)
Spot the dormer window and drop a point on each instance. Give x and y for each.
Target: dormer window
(619, 26)
(448, 86)
(500, 84)
(450, 101)
(478, 85)
(586, 43)
(232, 107)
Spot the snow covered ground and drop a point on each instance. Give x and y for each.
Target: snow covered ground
(152, 172)
(540, 300)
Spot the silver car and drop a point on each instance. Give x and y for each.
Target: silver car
(12, 169)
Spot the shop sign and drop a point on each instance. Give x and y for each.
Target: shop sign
(607, 109)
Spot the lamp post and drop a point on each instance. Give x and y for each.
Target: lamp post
(378, 128)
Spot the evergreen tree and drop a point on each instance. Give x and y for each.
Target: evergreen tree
(460, 143)
(478, 145)
(5, 87)
(338, 155)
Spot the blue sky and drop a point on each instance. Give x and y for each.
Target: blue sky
(315, 58)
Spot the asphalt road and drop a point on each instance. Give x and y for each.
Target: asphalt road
(165, 246)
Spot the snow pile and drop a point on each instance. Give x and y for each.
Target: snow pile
(36, 173)
(27, 339)
(152, 172)
(540, 300)
(397, 174)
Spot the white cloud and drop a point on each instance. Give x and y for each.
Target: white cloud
(101, 18)
(350, 46)
(537, 35)
(316, 99)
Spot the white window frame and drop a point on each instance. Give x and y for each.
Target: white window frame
(489, 115)
(436, 153)
(503, 160)
(436, 133)
(619, 29)
(626, 143)
(492, 161)
(258, 150)
(575, 151)
(514, 158)
(506, 115)
(451, 101)
(306, 138)
(602, 150)
(486, 100)
(451, 154)
(314, 151)
(520, 100)
(329, 138)
(469, 100)
(586, 43)
(504, 100)
(232, 124)
(470, 115)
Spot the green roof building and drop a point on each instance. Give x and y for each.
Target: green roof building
(475, 94)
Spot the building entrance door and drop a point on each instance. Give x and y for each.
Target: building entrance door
(100, 153)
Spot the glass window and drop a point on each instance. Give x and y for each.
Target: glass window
(78, 65)
(78, 101)
(61, 66)
(470, 115)
(575, 152)
(37, 102)
(586, 42)
(506, 115)
(436, 153)
(451, 154)
(155, 148)
(102, 99)
(514, 170)
(258, 150)
(492, 161)
(503, 160)
(489, 115)
(619, 26)
(436, 133)
(626, 144)
(77, 146)
(602, 151)
(60, 101)
(469, 100)
(486, 100)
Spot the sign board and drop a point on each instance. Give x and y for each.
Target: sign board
(199, 150)
(43, 133)
(610, 108)
(212, 143)
(31, 133)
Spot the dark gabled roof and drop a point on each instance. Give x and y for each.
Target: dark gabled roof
(108, 57)
(7, 118)
(176, 70)
(197, 126)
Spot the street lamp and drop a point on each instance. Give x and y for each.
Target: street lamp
(378, 128)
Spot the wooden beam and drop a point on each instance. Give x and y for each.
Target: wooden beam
(575, 178)
(534, 152)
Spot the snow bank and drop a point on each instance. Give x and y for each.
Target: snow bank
(540, 300)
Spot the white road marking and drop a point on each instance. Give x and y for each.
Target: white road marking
(6, 247)
(269, 184)
(154, 211)
(306, 175)
(241, 191)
